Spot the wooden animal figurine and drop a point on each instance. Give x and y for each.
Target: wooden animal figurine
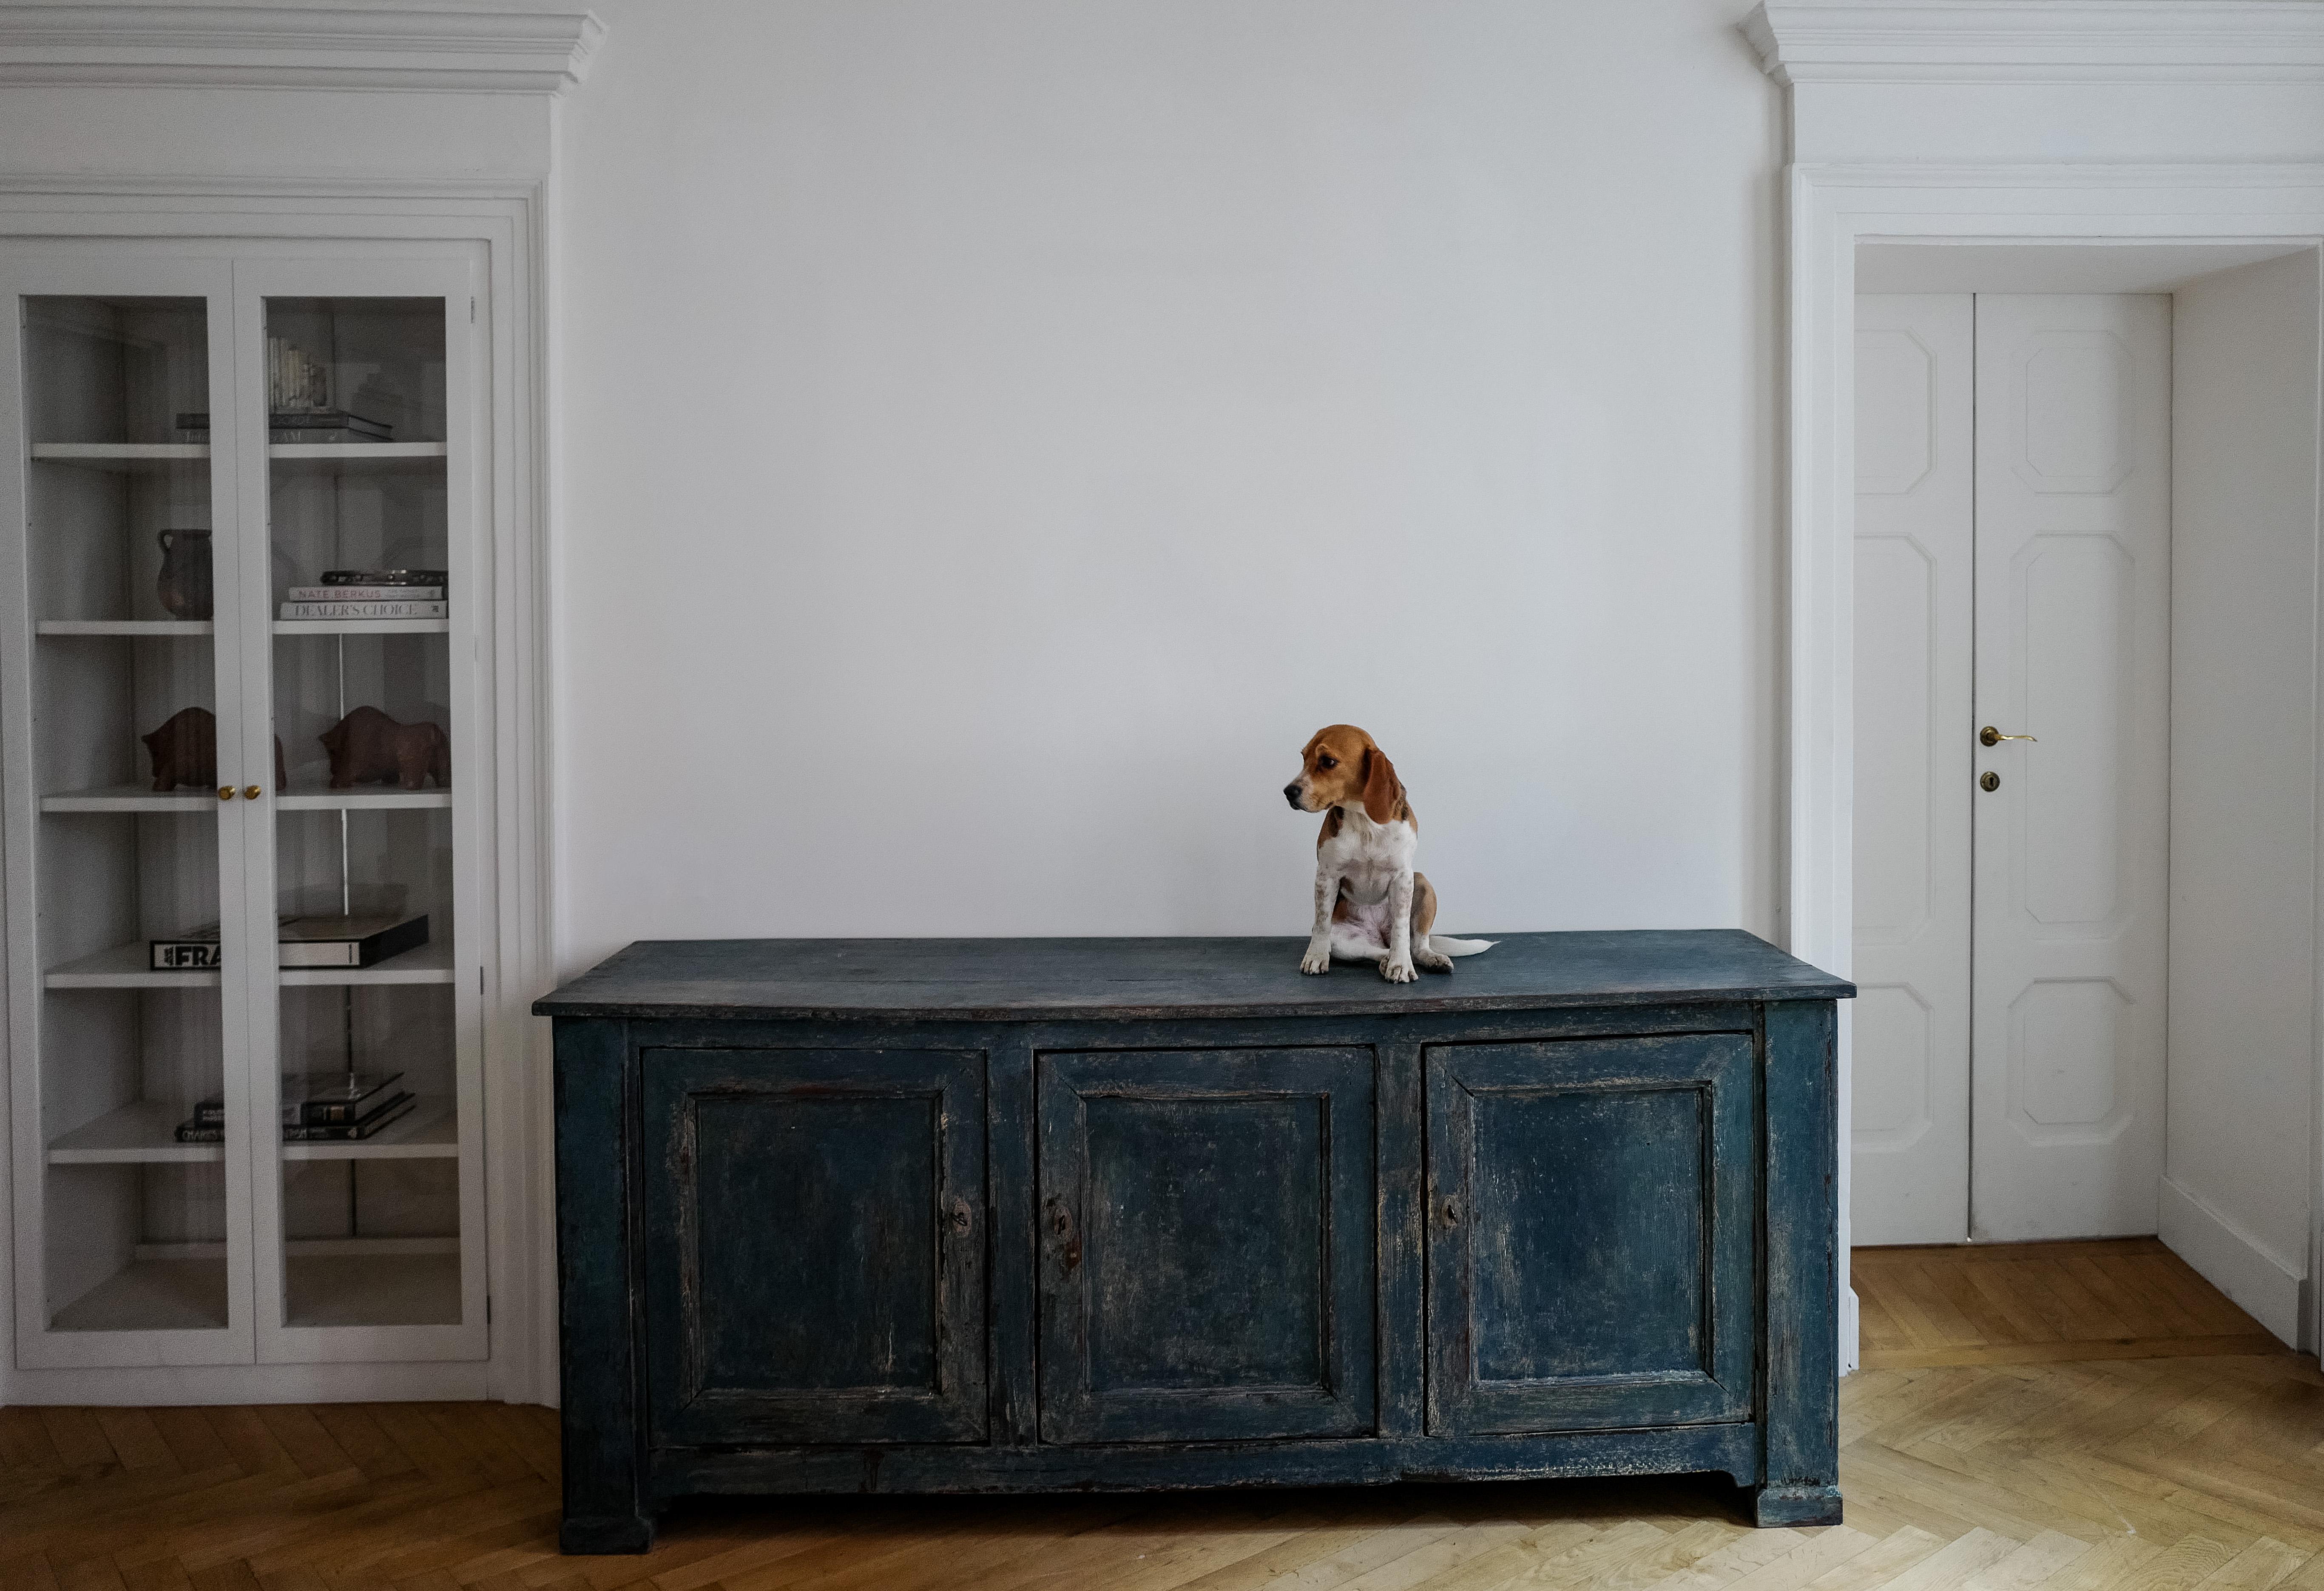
(185, 749)
(185, 752)
(368, 746)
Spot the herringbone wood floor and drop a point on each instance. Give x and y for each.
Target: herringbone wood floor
(2190, 1469)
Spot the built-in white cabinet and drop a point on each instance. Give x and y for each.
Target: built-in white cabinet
(248, 810)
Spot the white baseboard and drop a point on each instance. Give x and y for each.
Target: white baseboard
(151, 1385)
(2229, 1258)
(1851, 1348)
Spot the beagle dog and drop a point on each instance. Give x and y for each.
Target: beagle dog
(1369, 905)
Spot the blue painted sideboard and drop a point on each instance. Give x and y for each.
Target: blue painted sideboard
(1003, 1215)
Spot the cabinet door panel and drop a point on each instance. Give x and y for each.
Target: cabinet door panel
(1591, 1233)
(1208, 1258)
(815, 1254)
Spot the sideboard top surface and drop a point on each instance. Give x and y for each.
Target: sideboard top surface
(1029, 979)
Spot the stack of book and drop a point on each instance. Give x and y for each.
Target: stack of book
(295, 379)
(299, 425)
(322, 1107)
(370, 594)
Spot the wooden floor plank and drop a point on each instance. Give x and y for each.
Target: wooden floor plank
(2260, 1567)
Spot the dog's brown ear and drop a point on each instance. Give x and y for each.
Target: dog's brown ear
(1383, 791)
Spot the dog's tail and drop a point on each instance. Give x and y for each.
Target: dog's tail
(1445, 945)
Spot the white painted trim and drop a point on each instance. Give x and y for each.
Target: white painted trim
(507, 217)
(2039, 41)
(158, 1386)
(298, 47)
(1833, 208)
(2232, 1260)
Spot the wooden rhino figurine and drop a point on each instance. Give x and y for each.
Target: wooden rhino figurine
(185, 749)
(368, 746)
(185, 752)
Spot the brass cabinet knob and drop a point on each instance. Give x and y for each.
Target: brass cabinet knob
(1990, 736)
(252, 791)
(226, 792)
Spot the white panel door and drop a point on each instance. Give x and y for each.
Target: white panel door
(1915, 596)
(2072, 648)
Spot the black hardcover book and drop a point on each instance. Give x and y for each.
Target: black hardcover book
(329, 1098)
(300, 942)
(320, 1098)
(385, 576)
(378, 1121)
(303, 420)
(382, 1116)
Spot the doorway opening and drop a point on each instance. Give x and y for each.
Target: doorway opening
(2086, 762)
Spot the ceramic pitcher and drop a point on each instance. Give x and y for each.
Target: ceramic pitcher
(184, 586)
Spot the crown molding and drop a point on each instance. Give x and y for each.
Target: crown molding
(298, 47)
(2039, 41)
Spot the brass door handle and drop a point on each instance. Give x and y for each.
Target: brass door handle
(1991, 736)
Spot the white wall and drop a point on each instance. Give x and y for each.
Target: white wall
(994, 436)
(2243, 773)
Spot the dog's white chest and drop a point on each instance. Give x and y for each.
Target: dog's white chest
(1370, 856)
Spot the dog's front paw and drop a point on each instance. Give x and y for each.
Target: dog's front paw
(1317, 960)
(1399, 972)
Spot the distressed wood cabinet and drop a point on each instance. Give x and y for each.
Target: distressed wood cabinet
(989, 1215)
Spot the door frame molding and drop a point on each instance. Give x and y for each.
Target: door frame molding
(1832, 207)
(508, 216)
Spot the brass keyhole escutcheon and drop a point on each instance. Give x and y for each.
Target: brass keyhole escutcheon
(1991, 781)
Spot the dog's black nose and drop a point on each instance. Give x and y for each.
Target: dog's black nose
(1291, 793)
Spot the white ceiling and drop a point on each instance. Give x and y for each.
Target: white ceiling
(2049, 268)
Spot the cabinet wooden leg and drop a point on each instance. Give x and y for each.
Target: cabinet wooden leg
(1796, 1505)
(615, 1533)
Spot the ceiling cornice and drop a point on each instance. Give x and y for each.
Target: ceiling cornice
(2039, 41)
(298, 47)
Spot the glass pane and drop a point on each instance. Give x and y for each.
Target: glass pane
(362, 681)
(117, 405)
(125, 747)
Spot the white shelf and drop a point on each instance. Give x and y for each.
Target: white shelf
(346, 457)
(139, 1134)
(361, 798)
(145, 1133)
(122, 966)
(371, 1290)
(430, 1132)
(141, 797)
(299, 798)
(157, 627)
(152, 1296)
(363, 626)
(129, 966)
(122, 457)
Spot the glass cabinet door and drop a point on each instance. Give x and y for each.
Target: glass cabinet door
(372, 1193)
(125, 900)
